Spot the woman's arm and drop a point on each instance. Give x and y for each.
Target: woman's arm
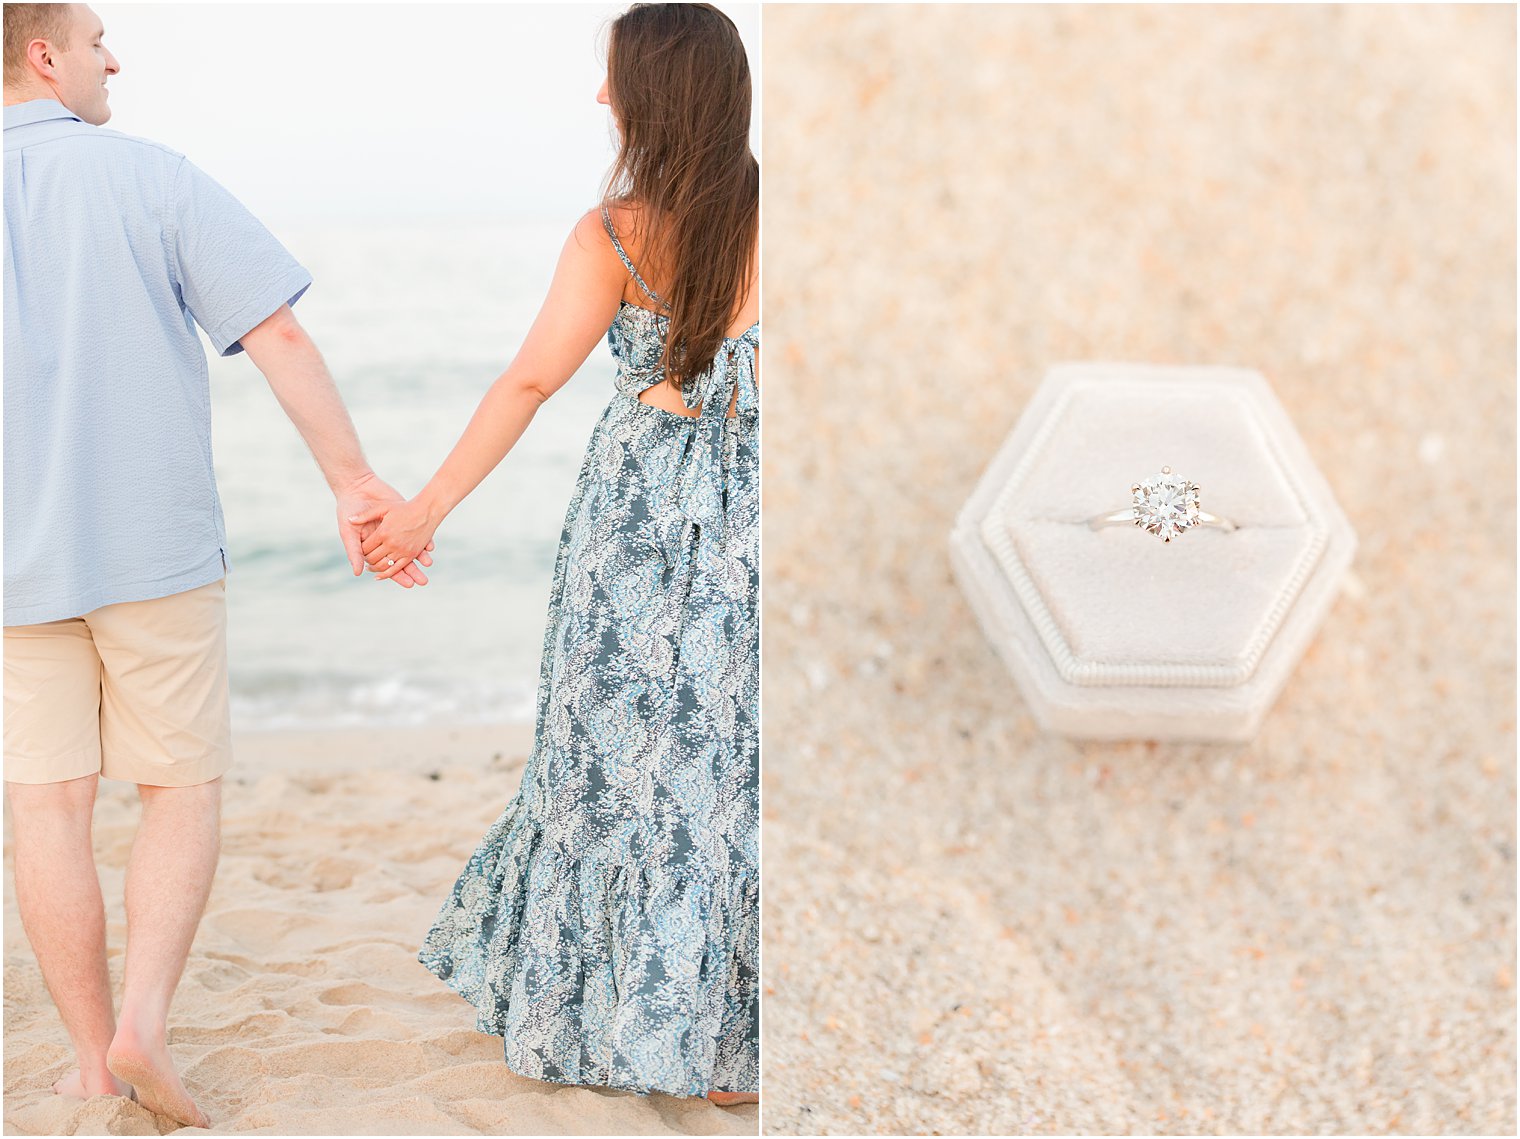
(583, 299)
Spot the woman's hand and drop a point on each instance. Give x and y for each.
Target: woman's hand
(405, 531)
(369, 494)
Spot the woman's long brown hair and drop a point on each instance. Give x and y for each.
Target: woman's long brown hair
(679, 84)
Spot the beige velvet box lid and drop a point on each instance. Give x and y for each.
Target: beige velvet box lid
(1112, 633)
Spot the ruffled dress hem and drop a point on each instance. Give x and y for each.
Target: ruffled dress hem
(507, 918)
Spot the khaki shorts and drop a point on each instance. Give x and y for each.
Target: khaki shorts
(135, 691)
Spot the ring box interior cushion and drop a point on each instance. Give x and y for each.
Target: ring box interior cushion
(1112, 633)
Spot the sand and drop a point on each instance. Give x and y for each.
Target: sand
(974, 927)
(303, 1010)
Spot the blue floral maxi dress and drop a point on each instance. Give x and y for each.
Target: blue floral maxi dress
(607, 926)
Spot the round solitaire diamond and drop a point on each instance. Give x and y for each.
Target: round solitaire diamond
(1166, 505)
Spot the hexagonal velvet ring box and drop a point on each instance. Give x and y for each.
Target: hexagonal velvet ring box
(1151, 551)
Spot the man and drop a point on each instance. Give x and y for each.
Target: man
(115, 550)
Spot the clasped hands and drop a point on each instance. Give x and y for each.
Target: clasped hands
(385, 533)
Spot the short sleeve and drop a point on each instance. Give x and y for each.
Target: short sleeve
(231, 271)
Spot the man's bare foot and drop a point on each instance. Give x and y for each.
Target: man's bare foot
(73, 1086)
(732, 1099)
(145, 1064)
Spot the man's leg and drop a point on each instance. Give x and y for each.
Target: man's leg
(58, 892)
(164, 725)
(168, 880)
(52, 769)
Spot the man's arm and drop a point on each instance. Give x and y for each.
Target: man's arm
(281, 349)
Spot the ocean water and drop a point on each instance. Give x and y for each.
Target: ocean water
(415, 320)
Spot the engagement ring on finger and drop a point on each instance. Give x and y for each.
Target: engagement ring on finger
(1165, 505)
(390, 561)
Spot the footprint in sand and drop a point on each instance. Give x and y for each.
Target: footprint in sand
(305, 968)
(450, 852)
(262, 932)
(368, 996)
(218, 975)
(376, 959)
(327, 875)
(468, 1044)
(371, 1062)
(372, 1023)
(100, 1115)
(237, 1074)
(257, 1024)
(485, 1078)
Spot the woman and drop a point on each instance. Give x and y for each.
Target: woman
(607, 927)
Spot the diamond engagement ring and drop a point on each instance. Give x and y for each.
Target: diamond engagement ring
(1165, 505)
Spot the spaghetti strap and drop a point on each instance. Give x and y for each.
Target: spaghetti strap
(628, 264)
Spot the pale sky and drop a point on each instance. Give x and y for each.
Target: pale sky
(325, 111)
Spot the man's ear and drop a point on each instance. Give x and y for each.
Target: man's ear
(39, 53)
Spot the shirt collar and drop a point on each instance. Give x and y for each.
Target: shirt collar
(37, 111)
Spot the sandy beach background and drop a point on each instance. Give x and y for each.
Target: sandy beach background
(970, 926)
(303, 1010)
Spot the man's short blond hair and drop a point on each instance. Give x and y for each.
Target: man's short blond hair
(25, 23)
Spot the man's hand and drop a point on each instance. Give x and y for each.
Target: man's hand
(396, 535)
(361, 506)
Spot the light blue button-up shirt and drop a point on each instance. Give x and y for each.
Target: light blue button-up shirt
(112, 245)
